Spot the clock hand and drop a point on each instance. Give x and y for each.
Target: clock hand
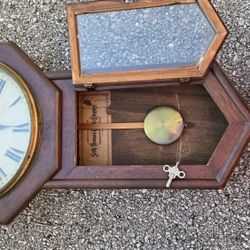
(5, 127)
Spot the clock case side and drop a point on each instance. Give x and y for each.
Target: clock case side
(47, 160)
(214, 175)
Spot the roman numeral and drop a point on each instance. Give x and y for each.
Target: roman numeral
(2, 173)
(22, 128)
(2, 83)
(14, 154)
(15, 102)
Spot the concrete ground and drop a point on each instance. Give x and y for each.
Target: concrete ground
(129, 219)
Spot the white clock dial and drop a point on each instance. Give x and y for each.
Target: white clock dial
(16, 128)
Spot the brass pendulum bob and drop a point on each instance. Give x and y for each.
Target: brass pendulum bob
(163, 125)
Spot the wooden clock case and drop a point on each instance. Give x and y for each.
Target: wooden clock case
(56, 164)
(211, 146)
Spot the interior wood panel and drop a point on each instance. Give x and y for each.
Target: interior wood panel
(131, 147)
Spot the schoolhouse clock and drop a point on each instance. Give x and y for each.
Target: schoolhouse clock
(103, 125)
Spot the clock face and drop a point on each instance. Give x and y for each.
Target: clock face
(18, 128)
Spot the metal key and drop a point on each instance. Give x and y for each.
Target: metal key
(173, 172)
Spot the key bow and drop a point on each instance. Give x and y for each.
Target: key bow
(173, 172)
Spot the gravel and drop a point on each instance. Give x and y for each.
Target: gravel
(130, 219)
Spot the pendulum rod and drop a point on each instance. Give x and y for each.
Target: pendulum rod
(105, 126)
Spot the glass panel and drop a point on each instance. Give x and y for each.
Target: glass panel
(149, 38)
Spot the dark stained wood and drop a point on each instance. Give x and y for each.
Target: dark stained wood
(223, 99)
(134, 184)
(68, 119)
(228, 144)
(232, 91)
(140, 76)
(226, 171)
(48, 158)
(243, 123)
(136, 172)
(212, 175)
(60, 75)
(197, 142)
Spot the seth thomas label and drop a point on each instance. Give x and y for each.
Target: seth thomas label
(96, 144)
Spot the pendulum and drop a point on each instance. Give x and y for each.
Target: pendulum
(162, 125)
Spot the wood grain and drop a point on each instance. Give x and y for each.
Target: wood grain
(47, 161)
(213, 175)
(130, 106)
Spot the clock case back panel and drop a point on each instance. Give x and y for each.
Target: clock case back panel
(131, 147)
(47, 159)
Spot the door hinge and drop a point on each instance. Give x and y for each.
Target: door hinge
(128, 1)
(185, 80)
(89, 87)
